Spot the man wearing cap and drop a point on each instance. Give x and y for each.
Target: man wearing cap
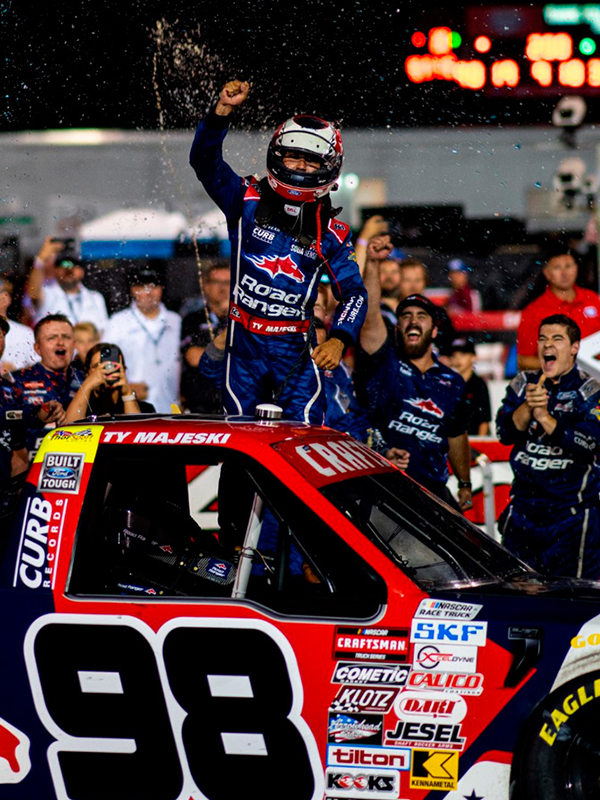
(149, 335)
(13, 452)
(462, 359)
(416, 403)
(284, 236)
(551, 417)
(66, 294)
(461, 299)
(562, 296)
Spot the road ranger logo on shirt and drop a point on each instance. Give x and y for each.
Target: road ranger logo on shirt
(285, 305)
(278, 266)
(427, 405)
(528, 459)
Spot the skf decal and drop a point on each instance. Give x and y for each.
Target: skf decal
(434, 769)
(370, 700)
(379, 757)
(359, 674)
(14, 753)
(378, 784)
(411, 734)
(371, 643)
(473, 633)
(447, 609)
(582, 695)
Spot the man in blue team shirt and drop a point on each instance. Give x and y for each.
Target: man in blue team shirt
(552, 418)
(51, 384)
(284, 236)
(416, 403)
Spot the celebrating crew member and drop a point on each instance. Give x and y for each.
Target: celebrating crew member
(552, 418)
(283, 236)
(416, 402)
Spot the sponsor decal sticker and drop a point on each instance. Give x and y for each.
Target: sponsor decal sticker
(579, 697)
(592, 640)
(367, 728)
(378, 785)
(367, 699)
(39, 543)
(442, 735)
(430, 706)
(61, 472)
(15, 763)
(381, 757)
(434, 769)
(445, 659)
(447, 609)
(371, 643)
(426, 405)
(459, 682)
(367, 674)
(163, 437)
(444, 632)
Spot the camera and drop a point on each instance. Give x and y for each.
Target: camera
(110, 358)
(569, 181)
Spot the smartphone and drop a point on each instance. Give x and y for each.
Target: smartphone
(110, 358)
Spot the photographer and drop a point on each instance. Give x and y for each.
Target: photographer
(105, 389)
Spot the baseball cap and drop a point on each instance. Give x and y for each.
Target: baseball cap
(418, 300)
(457, 265)
(147, 275)
(4, 326)
(464, 345)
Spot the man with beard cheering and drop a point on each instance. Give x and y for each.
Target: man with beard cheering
(417, 404)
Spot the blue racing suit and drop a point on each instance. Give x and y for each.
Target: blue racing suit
(275, 279)
(38, 385)
(415, 411)
(12, 430)
(552, 520)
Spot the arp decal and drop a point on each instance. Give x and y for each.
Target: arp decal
(376, 784)
(459, 682)
(355, 728)
(14, 754)
(120, 699)
(39, 544)
(412, 734)
(430, 706)
(365, 699)
(367, 674)
(444, 658)
(447, 609)
(61, 472)
(371, 643)
(371, 757)
(444, 632)
(434, 769)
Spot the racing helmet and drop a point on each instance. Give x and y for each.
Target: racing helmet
(314, 138)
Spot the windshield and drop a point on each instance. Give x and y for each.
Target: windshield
(434, 545)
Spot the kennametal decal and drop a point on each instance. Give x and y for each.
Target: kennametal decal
(61, 472)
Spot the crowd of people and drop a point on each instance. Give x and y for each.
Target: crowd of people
(335, 327)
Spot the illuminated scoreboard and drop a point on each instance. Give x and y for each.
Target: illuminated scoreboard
(518, 50)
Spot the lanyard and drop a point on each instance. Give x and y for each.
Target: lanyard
(154, 339)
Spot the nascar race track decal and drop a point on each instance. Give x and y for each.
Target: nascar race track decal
(215, 703)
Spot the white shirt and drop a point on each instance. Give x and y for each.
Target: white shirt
(19, 346)
(86, 305)
(151, 351)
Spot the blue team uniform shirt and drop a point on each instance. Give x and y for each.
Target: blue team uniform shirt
(415, 411)
(274, 276)
(554, 472)
(38, 385)
(12, 430)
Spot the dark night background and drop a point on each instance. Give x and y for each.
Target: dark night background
(90, 64)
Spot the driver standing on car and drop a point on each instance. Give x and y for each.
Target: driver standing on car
(552, 418)
(283, 238)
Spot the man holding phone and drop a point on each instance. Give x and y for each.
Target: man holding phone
(105, 389)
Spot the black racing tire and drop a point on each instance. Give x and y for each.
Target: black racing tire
(558, 757)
